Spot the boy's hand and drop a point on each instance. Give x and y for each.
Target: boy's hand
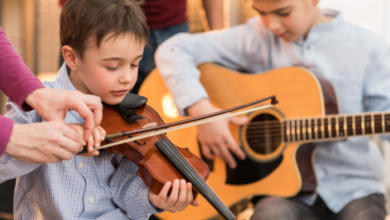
(215, 137)
(93, 141)
(180, 197)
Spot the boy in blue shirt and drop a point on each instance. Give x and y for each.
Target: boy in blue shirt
(287, 33)
(102, 43)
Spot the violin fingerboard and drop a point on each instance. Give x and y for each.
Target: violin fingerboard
(185, 168)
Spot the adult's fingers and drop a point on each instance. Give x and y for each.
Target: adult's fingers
(89, 122)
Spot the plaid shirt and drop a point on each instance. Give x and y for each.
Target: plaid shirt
(101, 187)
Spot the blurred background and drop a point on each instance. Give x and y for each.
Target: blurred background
(32, 27)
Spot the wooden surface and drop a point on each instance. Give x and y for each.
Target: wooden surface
(299, 94)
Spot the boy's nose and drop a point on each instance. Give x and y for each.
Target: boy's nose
(126, 77)
(273, 24)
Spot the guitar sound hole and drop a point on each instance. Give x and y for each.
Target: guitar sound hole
(263, 134)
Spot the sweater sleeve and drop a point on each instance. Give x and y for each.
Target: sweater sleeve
(6, 126)
(16, 80)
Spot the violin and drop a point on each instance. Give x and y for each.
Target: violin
(157, 158)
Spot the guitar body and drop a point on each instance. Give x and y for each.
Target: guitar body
(275, 168)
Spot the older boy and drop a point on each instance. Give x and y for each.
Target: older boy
(103, 42)
(295, 32)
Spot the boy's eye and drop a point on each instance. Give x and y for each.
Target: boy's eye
(133, 65)
(112, 68)
(284, 14)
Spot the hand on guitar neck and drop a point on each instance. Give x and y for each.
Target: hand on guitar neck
(215, 137)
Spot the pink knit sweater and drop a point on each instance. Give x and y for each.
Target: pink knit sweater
(16, 81)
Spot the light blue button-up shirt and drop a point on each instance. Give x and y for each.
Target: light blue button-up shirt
(354, 60)
(101, 187)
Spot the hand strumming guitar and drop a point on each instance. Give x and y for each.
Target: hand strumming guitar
(215, 136)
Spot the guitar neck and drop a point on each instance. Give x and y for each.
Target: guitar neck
(335, 127)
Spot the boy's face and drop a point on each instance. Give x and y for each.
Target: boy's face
(111, 70)
(288, 19)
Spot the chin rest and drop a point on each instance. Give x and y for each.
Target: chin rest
(133, 101)
(127, 106)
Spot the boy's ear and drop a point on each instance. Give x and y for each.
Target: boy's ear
(70, 57)
(315, 2)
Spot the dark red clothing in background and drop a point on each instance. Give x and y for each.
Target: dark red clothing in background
(62, 2)
(164, 13)
(161, 13)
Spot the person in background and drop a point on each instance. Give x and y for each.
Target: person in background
(166, 18)
(350, 173)
(46, 142)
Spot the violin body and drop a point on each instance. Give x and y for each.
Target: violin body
(153, 167)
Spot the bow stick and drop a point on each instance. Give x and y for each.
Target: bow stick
(161, 129)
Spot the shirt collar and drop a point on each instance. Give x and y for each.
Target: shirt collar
(62, 80)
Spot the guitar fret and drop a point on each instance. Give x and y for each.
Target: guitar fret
(345, 126)
(292, 131)
(301, 129)
(312, 129)
(367, 123)
(372, 124)
(363, 126)
(383, 123)
(387, 122)
(329, 127)
(298, 131)
(322, 128)
(341, 126)
(308, 129)
(337, 127)
(353, 126)
(304, 129)
(349, 124)
(288, 131)
(315, 129)
(378, 125)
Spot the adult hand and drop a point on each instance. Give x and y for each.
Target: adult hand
(215, 137)
(53, 104)
(47, 142)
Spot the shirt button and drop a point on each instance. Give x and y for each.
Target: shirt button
(90, 200)
(81, 164)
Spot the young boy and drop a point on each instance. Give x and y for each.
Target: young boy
(295, 32)
(103, 42)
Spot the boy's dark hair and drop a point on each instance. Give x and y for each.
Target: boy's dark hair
(81, 19)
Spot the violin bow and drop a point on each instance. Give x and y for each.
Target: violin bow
(161, 129)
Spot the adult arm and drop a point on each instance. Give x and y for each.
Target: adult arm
(214, 13)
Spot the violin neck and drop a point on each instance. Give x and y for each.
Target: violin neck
(185, 168)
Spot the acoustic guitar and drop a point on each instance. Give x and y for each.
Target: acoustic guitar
(279, 142)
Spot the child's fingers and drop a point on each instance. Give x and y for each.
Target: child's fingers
(164, 191)
(96, 137)
(182, 200)
(195, 203)
(102, 133)
(174, 193)
(90, 154)
(190, 197)
(90, 143)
